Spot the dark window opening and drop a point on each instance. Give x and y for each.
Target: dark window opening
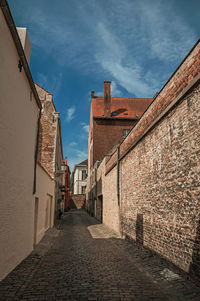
(125, 132)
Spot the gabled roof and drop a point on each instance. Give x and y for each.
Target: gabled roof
(85, 162)
(121, 107)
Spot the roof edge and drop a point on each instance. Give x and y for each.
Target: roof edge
(12, 27)
(114, 118)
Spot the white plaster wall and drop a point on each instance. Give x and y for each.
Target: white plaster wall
(78, 183)
(46, 202)
(18, 130)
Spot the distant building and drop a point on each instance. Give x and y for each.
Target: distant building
(111, 119)
(67, 185)
(79, 178)
(50, 155)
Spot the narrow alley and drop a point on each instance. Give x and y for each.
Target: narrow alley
(82, 260)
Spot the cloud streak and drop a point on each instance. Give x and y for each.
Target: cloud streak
(130, 42)
(70, 114)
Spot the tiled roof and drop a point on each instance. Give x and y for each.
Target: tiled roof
(85, 162)
(121, 107)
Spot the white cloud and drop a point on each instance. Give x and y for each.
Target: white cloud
(50, 83)
(76, 156)
(70, 114)
(73, 144)
(115, 90)
(131, 39)
(85, 127)
(128, 77)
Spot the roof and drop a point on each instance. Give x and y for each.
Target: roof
(85, 162)
(121, 107)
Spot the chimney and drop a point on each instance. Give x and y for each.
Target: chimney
(26, 45)
(107, 99)
(92, 94)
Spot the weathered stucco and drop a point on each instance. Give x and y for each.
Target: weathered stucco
(46, 203)
(18, 130)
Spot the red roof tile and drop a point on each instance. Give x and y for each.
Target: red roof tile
(124, 107)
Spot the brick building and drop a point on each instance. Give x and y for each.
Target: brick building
(67, 185)
(78, 185)
(149, 184)
(111, 119)
(50, 155)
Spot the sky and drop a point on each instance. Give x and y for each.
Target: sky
(79, 44)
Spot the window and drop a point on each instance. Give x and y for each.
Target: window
(84, 175)
(125, 133)
(83, 189)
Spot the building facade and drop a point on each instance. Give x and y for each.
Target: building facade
(79, 178)
(20, 111)
(111, 119)
(50, 154)
(67, 185)
(30, 152)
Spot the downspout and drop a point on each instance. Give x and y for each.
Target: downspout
(36, 152)
(118, 191)
(55, 177)
(118, 154)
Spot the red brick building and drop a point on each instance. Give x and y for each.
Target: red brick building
(111, 119)
(67, 185)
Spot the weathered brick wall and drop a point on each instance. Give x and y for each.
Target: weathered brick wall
(160, 185)
(48, 126)
(159, 171)
(106, 134)
(77, 201)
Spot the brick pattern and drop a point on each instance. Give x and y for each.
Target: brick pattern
(48, 127)
(77, 201)
(160, 186)
(106, 134)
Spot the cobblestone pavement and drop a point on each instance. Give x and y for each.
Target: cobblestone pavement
(83, 260)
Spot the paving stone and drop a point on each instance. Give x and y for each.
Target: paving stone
(83, 260)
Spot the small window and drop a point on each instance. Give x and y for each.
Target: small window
(84, 175)
(83, 189)
(125, 132)
(114, 113)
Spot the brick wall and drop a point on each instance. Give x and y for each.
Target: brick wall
(107, 133)
(77, 201)
(160, 185)
(159, 172)
(48, 127)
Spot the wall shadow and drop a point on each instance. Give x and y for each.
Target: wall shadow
(76, 204)
(194, 269)
(139, 230)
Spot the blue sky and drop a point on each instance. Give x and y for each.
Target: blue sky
(78, 44)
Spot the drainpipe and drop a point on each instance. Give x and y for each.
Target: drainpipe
(118, 154)
(36, 152)
(118, 193)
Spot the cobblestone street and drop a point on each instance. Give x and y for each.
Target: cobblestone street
(83, 260)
